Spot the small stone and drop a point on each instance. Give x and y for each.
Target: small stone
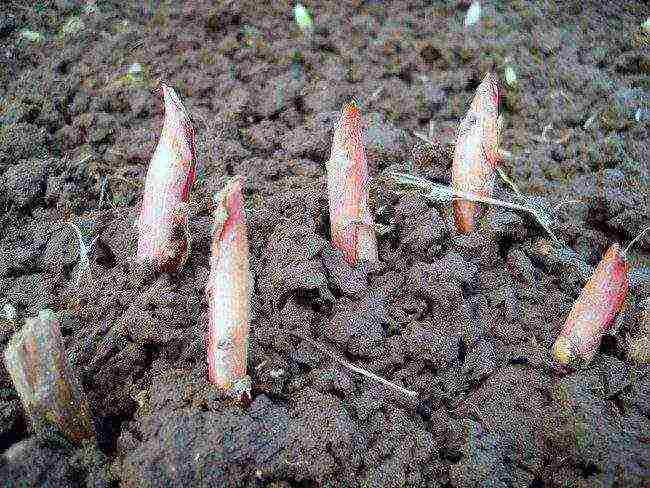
(521, 266)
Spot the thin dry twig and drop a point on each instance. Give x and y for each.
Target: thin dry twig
(510, 183)
(635, 239)
(437, 192)
(352, 367)
(83, 253)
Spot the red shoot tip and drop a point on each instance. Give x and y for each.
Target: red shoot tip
(593, 312)
(352, 224)
(476, 153)
(228, 291)
(163, 218)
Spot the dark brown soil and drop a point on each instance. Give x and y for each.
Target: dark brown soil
(467, 322)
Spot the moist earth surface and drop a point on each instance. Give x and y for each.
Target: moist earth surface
(467, 322)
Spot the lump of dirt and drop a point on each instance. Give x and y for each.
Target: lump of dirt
(434, 342)
(46, 460)
(349, 280)
(25, 182)
(509, 404)
(477, 456)
(209, 449)
(121, 236)
(62, 250)
(385, 143)
(437, 287)
(98, 125)
(20, 142)
(638, 396)
(398, 448)
(423, 231)
(319, 437)
(357, 328)
(596, 434)
(32, 291)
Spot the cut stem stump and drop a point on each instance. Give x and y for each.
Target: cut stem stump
(48, 387)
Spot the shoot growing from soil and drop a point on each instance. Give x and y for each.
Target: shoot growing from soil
(48, 388)
(352, 224)
(163, 237)
(476, 154)
(593, 312)
(228, 291)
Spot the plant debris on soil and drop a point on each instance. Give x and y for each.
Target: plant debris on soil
(466, 321)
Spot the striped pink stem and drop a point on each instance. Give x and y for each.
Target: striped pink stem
(476, 155)
(352, 224)
(162, 224)
(228, 291)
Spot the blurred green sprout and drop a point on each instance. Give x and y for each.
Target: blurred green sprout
(646, 25)
(91, 7)
(510, 73)
(72, 26)
(135, 72)
(473, 14)
(249, 33)
(31, 35)
(9, 312)
(303, 19)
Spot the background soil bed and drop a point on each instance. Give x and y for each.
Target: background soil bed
(465, 321)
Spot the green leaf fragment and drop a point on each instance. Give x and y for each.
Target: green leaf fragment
(473, 14)
(303, 19)
(31, 35)
(72, 26)
(510, 75)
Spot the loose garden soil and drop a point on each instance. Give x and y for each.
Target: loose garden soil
(465, 321)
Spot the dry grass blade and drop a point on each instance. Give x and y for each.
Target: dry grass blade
(84, 251)
(510, 183)
(635, 239)
(441, 193)
(356, 369)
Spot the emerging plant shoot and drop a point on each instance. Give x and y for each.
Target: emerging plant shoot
(352, 224)
(48, 388)
(593, 312)
(228, 291)
(163, 236)
(476, 155)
